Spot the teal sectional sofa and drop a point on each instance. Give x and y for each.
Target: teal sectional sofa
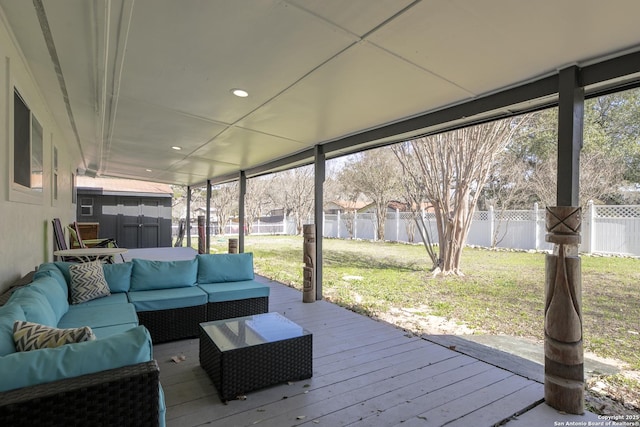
(114, 377)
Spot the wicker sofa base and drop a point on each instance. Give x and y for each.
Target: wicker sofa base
(236, 308)
(117, 397)
(173, 324)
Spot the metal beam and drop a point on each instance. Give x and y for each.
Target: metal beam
(208, 219)
(319, 177)
(570, 127)
(188, 219)
(241, 216)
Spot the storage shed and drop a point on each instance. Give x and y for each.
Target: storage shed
(136, 213)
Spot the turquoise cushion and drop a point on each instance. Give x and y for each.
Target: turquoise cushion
(165, 299)
(118, 276)
(120, 298)
(107, 331)
(23, 369)
(49, 269)
(105, 315)
(9, 313)
(49, 287)
(35, 306)
(217, 268)
(231, 291)
(63, 266)
(148, 275)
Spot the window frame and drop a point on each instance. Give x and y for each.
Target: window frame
(17, 191)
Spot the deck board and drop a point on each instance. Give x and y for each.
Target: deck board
(365, 372)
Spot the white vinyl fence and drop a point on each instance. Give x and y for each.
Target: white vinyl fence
(610, 229)
(605, 229)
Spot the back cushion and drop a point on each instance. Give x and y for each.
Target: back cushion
(118, 276)
(147, 275)
(48, 286)
(49, 269)
(9, 313)
(35, 306)
(217, 268)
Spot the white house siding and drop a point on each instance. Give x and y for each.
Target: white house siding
(25, 223)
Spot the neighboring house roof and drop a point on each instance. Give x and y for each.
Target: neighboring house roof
(347, 204)
(118, 186)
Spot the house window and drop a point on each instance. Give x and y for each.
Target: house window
(27, 147)
(86, 206)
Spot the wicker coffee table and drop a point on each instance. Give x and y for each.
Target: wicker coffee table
(248, 353)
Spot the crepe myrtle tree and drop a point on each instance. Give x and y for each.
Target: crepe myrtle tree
(450, 169)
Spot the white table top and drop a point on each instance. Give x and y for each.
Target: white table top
(80, 252)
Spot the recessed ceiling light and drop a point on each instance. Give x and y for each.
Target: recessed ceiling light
(240, 93)
(175, 147)
(148, 170)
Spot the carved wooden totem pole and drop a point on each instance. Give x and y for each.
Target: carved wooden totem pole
(202, 238)
(309, 258)
(563, 367)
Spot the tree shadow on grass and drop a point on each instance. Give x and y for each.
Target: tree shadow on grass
(349, 259)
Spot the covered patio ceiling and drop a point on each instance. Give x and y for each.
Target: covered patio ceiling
(127, 80)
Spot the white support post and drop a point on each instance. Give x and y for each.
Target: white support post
(338, 224)
(397, 225)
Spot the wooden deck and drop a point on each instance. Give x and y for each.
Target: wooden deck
(365, 373)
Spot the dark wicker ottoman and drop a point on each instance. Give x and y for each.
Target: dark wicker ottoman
(252, 352)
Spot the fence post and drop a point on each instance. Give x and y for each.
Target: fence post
(536, 237)
(397, 225)
(355, 225)
(284, 223)
(591, 226)
(324, 224)
(492, 226)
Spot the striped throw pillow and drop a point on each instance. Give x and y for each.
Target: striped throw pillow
(87, 282)
(29, 336)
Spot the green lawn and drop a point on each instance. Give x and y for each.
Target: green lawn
(501, 293)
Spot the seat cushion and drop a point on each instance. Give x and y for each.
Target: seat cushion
(107, 331)
(231, 291)
(217, 268)
(165, 299)
(119, 298)
(150, 275)
(96, 317)
(19, 370)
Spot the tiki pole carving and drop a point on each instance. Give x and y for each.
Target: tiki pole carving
(309, 259)
(201, 236)
(564, 364)
(233, 246)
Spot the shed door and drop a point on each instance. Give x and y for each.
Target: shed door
(139, 223)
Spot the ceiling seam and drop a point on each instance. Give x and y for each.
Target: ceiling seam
(53, 53)
(116, 81)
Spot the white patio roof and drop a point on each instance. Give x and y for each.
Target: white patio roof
(128, 79)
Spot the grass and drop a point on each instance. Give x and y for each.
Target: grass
(501, 292)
